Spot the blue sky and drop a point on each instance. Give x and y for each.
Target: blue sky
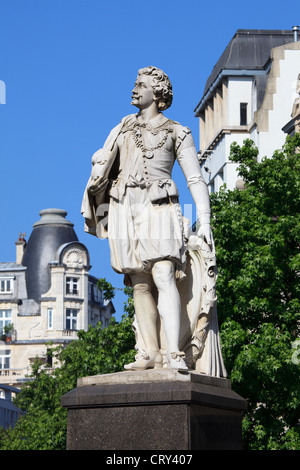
(69, 67)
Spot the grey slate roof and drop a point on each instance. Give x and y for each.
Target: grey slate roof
(48, 234)
(11, 266)
(248, 50)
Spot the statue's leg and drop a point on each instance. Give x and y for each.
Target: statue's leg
(145, 309)
(146, 316)
(169, 307)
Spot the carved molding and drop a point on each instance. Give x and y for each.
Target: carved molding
(74, 258)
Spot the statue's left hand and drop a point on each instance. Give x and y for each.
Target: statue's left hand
(205, 233)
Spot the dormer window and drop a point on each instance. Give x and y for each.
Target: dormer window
(6, 285)
(72, 285)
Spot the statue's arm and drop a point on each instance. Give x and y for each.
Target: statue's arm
(102, 161)
(102, 157)
(188, 160)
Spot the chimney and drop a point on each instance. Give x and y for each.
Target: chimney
(20, 247)
(295, 29)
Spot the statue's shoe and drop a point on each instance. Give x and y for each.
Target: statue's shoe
(149, 360)
(176, 360)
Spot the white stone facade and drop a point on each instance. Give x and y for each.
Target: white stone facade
(280, 95)
(233, 108)
(72, 303)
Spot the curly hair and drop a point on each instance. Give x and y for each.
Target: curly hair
(162, 87)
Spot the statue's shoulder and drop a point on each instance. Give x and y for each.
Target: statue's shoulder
(129, 117)
(179, 128)
(127, 122)
(181, 133)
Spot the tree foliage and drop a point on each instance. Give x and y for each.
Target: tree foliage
(256, 232)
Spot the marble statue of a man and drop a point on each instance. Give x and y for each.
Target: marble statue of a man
(131, 180)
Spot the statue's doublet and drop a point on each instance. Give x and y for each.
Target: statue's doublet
(145, 220)
(147, 154)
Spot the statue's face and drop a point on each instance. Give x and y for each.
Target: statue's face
(142, 94)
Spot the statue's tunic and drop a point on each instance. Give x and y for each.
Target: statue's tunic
(145, 222)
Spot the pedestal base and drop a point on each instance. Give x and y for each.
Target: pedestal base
(153, 410)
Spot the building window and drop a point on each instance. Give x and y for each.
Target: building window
(243, 114)
(5, 359)
(49, 358)
(71, 319)
(72, 285)
(96, 293)
(50, 319)
(5, 320)
(219, 181)
(6, 285)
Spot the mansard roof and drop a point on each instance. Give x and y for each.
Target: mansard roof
(48, 234)
(248, 52)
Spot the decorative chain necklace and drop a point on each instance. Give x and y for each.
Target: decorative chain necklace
(138, 138)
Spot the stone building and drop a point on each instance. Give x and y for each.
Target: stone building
(46, 295)
(249, 94)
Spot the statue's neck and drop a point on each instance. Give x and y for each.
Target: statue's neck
(149, 113)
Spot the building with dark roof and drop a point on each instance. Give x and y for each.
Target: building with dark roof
(9, 413)
(48, 234)
(46, 295)
(249, 94)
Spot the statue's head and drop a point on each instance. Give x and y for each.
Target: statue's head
(162, 87)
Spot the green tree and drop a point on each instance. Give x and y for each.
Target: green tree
(256, 232)
(97, 351)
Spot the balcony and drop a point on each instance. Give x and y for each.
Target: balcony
(13, 376)
(17, 376)
(69, 334)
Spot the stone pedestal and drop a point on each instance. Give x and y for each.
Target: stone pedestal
(153, 410)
